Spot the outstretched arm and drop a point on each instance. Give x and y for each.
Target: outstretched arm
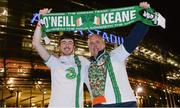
(137, 33)
(37, 39)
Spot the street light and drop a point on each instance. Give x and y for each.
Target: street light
(139, 92)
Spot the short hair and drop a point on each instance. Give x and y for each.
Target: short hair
(66, 35)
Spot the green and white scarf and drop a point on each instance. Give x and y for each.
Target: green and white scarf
(97, 76)
(100, 19)
(78, 63)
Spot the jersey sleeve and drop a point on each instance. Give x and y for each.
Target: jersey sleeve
(52, 62)
(119, 53)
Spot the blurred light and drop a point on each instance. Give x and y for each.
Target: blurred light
(4, 12)
(1, 69)
(29, 30)
(10, 81)
(39, 82)
(2, 32)
(3, 25)
(52, 43)
(20, 69)
(88, 54)
(33, 104)
(11, 85)
(137, 48)
(11, 88)
(175, 64)
(80, 49)
(153, 87)
(139, 89)
(45, 91)
(29, 36)
(20, 93)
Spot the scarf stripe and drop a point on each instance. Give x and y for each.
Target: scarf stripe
(78, 63)
(113, 79)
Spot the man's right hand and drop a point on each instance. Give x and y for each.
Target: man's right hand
(144, 5)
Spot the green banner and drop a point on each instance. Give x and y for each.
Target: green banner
(100, 19)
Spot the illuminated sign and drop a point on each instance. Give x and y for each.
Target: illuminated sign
(111, 38)
(36, 17)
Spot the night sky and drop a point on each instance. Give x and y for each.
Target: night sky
(169, 38)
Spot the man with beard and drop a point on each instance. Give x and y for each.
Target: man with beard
(67, 71)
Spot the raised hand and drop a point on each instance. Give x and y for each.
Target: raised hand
(144, 5)
(44, 11)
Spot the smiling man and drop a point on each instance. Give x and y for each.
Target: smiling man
(67, 71)
(108, 78)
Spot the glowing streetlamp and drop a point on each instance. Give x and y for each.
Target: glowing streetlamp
(139, 92)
